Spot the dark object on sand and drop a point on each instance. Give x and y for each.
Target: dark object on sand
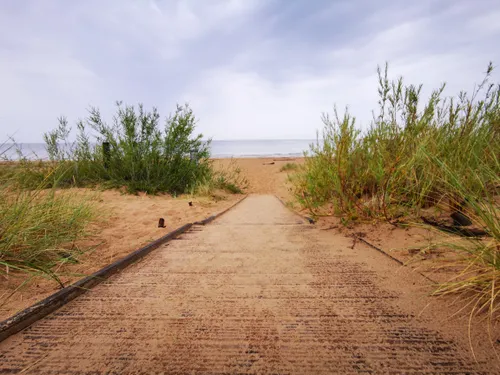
(161, 223)
(460, 219)
(270, 163)
(190, 204)
(311, 221)
(466, 232)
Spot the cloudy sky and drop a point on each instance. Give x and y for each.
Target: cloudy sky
(251, 69)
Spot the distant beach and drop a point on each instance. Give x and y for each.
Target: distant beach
(220, 149)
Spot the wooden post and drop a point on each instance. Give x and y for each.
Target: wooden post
(106, 153)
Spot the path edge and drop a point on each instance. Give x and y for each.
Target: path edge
(24, 318)
(219, 214)
(357, 238)
(302, 217)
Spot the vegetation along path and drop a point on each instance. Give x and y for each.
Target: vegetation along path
(257, 291)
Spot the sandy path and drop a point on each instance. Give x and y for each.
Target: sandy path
(129, 222)
(257, 291)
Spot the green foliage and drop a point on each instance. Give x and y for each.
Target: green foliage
(394, 165)
(135, 151)
(289, 167)
(52, 138)
(442, 154)
(39, 228)
(480, 258)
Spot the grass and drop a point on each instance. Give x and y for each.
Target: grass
(40, 227)
(40, 230)
(441, 153)
(289, 167)
(480, 257)
(227, 178)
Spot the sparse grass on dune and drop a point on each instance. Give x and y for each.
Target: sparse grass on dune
(441, 154)
(228, 178)
(39, 230)
(289, 167)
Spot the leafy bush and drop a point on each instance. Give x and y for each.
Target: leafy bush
(135, 152)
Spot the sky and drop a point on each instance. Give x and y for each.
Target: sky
(250, 69)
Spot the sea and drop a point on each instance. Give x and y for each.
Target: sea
(220, 149)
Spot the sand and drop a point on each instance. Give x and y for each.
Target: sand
(264, 174)
(258, 291)
(130, 221)
(126, 223)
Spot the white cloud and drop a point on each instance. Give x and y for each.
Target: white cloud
(237, 102)
(250, 68)
(239, 105)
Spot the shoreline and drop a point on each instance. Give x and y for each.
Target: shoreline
(219, 149)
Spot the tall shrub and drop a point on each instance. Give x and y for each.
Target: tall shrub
(134, 151)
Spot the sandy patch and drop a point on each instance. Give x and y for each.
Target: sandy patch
(265, 175)
(127, 222)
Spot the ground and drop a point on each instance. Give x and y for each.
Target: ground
(257, 291)
(257, 263)
(265, 175)
(128, 222)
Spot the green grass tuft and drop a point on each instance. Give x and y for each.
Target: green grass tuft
(229, 179)
(39, 230)
(289, 167)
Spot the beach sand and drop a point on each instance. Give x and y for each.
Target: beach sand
(264, 174)
(129, 222)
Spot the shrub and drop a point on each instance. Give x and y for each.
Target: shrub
(443, 154)
(135, 152)
(387, 168)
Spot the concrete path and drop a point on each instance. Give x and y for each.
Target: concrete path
(256, 292)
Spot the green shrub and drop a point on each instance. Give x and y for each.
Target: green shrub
(379, 172)
(135, 152)
(444, 154)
